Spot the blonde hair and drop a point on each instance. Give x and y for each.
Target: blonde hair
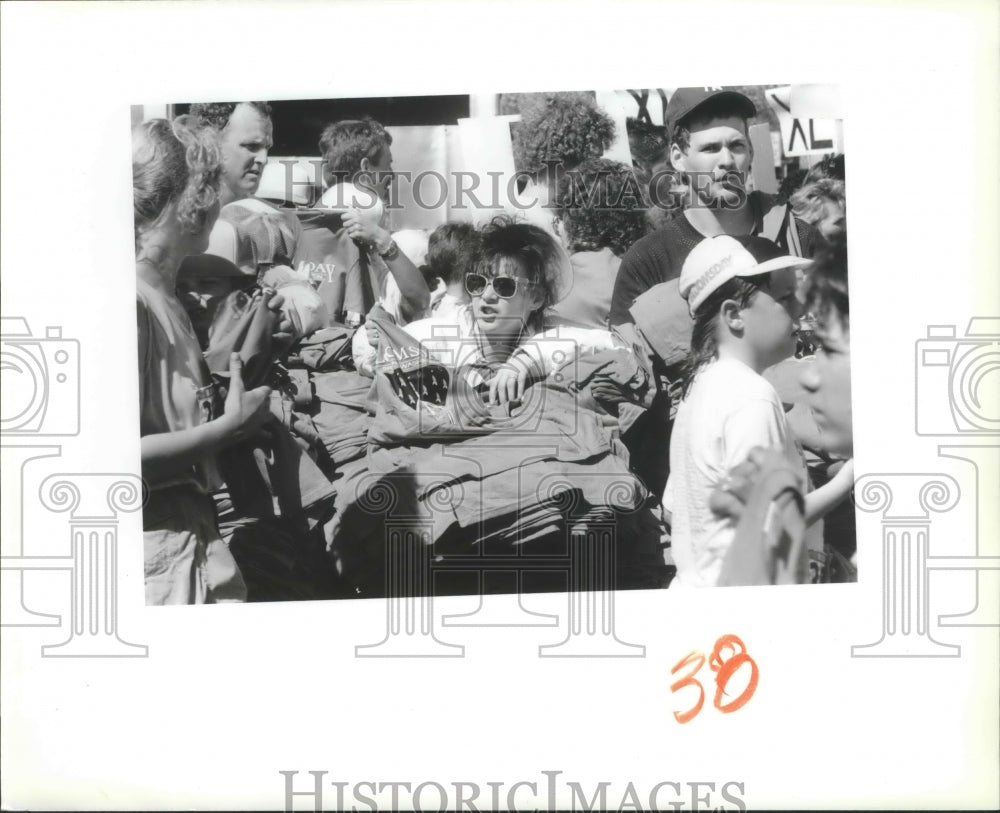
(176, 161)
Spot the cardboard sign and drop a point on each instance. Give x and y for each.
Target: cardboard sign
(647, 104)
(618, 109)
(764, 159)
(801, 134)
(486, 149)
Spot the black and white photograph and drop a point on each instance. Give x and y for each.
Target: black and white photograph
(383, 384)
(494, 343)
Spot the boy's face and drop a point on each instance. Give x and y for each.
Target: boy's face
(827, 380)
(771, 321)
(717, 151)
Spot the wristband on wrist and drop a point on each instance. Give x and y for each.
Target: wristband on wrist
(391, 253)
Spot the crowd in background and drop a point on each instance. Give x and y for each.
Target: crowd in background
(295, 352)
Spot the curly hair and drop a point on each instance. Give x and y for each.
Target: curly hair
(344, 144)
(823, 184)
(704, 341)
(602, 205)
(808, 201)
(828, 290)
(509, 246)
(452, 250)
(216, 114)
(174, 161)
(560, 128)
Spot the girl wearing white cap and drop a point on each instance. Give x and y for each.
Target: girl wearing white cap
(741, 293)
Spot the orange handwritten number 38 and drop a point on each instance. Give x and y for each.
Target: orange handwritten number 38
(728, 655)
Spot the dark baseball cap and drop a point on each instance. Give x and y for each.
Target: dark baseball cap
(686, 101)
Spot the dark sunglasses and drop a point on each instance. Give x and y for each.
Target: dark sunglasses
(504, 286)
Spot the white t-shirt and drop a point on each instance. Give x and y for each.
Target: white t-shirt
(729, 410)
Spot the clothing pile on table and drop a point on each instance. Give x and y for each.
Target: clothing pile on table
(417, 451)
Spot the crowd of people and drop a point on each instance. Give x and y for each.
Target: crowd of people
(658, 326)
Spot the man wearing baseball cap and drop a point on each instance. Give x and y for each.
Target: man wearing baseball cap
(709, 146)
(741, 293)
(710, 149)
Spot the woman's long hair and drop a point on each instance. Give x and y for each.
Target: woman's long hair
(174, 161)
(704, 337)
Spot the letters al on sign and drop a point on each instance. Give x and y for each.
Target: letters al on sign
(800, 135)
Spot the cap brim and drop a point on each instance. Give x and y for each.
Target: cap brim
(775, 264)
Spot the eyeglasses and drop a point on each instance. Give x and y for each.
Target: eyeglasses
(504, 286)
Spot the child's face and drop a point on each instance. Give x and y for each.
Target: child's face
(827, 380)
(771, 321)
(497, 317)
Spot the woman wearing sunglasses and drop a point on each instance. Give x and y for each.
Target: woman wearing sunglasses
(499, 336)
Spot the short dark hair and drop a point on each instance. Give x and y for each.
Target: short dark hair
(704, 342)
(831, 167)
(344, 143)
(720, 107)
(603, 205)
(647, 142)
(452, 250)
(828, 291)
(534, 250)
(216, 114)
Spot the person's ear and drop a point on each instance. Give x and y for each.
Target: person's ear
(366, 165)
(746, 131)
(731, 314)
(677, 157)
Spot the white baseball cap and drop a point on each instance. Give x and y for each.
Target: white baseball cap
(286, 183)
(716, 260)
